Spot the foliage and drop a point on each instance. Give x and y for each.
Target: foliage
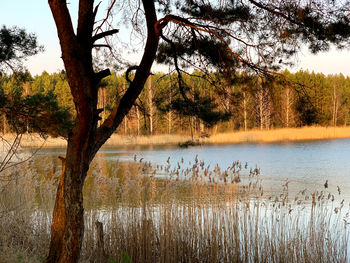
(16, 45)
(24, 112)
(36, 113)
(200, 107)
(309, 98)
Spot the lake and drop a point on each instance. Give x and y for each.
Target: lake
(306, 164)
(191, 221)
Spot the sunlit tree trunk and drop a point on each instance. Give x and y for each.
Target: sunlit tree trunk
(125, 125)
(150, 103)
(245, 110)
(335, 107)
(287, 106)
(264, 105)
(261, 111)
(86, 138)
(169, 121)
(170, 115)
(138, 120)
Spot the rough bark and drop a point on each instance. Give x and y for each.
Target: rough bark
(85, 139)
(57, 227)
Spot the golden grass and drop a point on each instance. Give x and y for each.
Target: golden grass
(280, 135)
(33, 140)
(147, 140)
(252, 136)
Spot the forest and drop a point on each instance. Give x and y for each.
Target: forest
(289, 100)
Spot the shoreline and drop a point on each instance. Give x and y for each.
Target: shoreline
(239, 137)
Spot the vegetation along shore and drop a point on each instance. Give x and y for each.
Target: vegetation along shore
(251, 136)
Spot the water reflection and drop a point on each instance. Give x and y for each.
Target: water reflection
(305, 164)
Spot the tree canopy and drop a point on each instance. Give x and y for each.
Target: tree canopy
(257, 37)
(15, 46)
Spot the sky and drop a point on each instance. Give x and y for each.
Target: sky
(35, 16)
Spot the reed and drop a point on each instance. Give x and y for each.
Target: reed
(280, 135)
(173, 213)
(251, 136)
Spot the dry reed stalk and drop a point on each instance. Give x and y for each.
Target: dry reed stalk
(154, 219)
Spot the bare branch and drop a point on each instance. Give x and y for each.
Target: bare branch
(102, 74)
(96, 9)
(136, 86)
(102, 45)
(104, 34)
(106, 18)
(128, 71)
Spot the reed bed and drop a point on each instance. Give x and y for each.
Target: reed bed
(280, 135)
(172, 213)
(251, 136)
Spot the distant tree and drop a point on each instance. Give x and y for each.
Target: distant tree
(21, 111)
(222, 35)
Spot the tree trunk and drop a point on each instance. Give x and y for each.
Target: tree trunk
(261, 118)
(86, 139)
(138, 120)
(287, 107)
(150, 103)
(245, 111)
(125, 125)
(335, 107)
(169, 122)
(68, 216)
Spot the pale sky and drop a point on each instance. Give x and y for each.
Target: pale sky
(35, 16)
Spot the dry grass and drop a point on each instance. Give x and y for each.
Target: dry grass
(33, 140)
(252, 136)
(184, 218)
(147, 140)
(281, 135)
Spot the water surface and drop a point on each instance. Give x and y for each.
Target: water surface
(305, 164)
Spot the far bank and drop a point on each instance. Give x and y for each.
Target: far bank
(252, 136)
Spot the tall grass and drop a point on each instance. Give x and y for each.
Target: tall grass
(251, 136)
(176, 214)
(280, 135)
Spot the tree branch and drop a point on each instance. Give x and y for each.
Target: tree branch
(136, 86)
(107, 16)
(86, 20)
(181, 82)
(96, 9)
(102, 45)
(104, 34)
(128, 71)
(102, 74)
(64, 24)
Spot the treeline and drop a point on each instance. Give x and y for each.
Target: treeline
(290, 100)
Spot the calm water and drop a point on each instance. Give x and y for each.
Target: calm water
(306, 165)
